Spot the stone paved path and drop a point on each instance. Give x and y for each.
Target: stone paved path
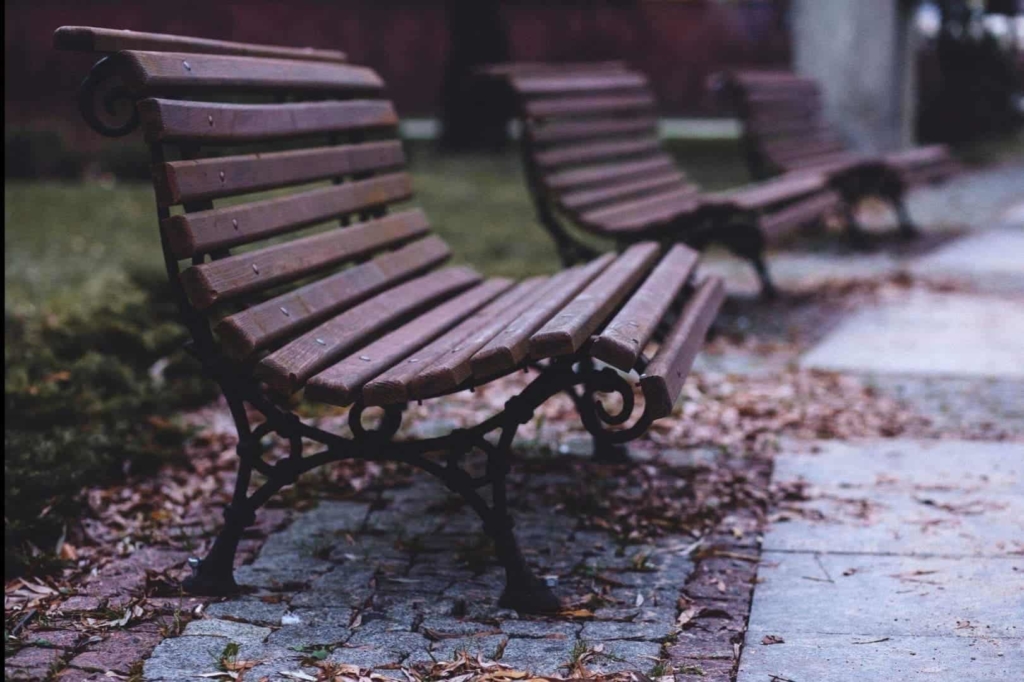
(906, 563)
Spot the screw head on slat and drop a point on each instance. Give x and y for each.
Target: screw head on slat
(321, 342)
(234, 223)
(188, 67)
(221, 176)
(285, 311)
(255, 269)
(364, 358)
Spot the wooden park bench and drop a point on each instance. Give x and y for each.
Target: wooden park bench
(594, 162)
(363, 314)
(785, 131)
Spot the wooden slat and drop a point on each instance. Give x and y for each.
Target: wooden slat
(564, 131)
(762, 194)
(340, 383)
(230, 277)
(623, 339)
(801, 213)
(582, 199)
(909, 158)
(444, 362)
(608, 173)
(564, 106)
(274, 320)
(663, 379)
(565, 333)
(290, 366)
(108, 40)
(578, 82)
(530, 68)
(595, 151)
(179, 182)
(645, 213)
(157, 72)
(165, 120)
(511, 345)
(189, 234)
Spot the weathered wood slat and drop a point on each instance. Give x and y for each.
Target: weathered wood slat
(609, 173)
(511, 345)
(157, 72)
(803, 212)
(438, 361)
(566, 332)
(564, 131)
(663, 379)
(108, 40)
(340, 383)
(189, 234)
(166, 120)
(230, 277)
(644, 213)
(564, 106)
(909, 158)
(288, 368)
(274, 320)
(178, 182)
(589, 198)
(558, 84)
(546, 68)
(623, 339)
(764, 194)
(596, 151)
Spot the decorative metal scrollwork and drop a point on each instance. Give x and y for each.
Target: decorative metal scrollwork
(105, 102)
(596, 418)
(390, 422)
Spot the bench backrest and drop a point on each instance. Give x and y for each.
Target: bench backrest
(275, 180)
(784, 128)
(590, 137)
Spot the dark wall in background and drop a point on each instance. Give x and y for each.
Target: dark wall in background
(677, 42)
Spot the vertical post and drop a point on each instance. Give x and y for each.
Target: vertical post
(862, 54)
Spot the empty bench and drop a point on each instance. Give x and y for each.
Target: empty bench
(785, 131)
(594, 162)
(351, 302)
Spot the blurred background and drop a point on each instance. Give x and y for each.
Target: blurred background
(93, 371)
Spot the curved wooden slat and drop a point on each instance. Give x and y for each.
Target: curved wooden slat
(511, 345)
(167, 120)
(90, 39)
(440, 360)
(178, 182)
(288, 368)
(340, 383)
(800, 213)
(608, 173)
(565, 131)
(231, 277)
(662, 382)
(596, 151)
(274, 320)
(588, 198)
(565, 333)
(564, 106)
(155, 72)
(623, 339)
(189, 234)
(582, 81)
(648, 212)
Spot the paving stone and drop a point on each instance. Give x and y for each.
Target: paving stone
(252, 611)
(707, 670)
(31, 663)
(76, 675)
(180, 658)
(486, 646)
(907, 497)
(929, 334)
(972, 597)
(54, 639)
(82, 604)
(380, 649)
(298, 636)
(624, 656)
(991, 260)
(699, 643)
(597, 631)
(852, 658)
(117, 652)
(241, 633)
(539, 656)
(443, 626)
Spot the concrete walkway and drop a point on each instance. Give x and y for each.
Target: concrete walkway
(904, 560)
